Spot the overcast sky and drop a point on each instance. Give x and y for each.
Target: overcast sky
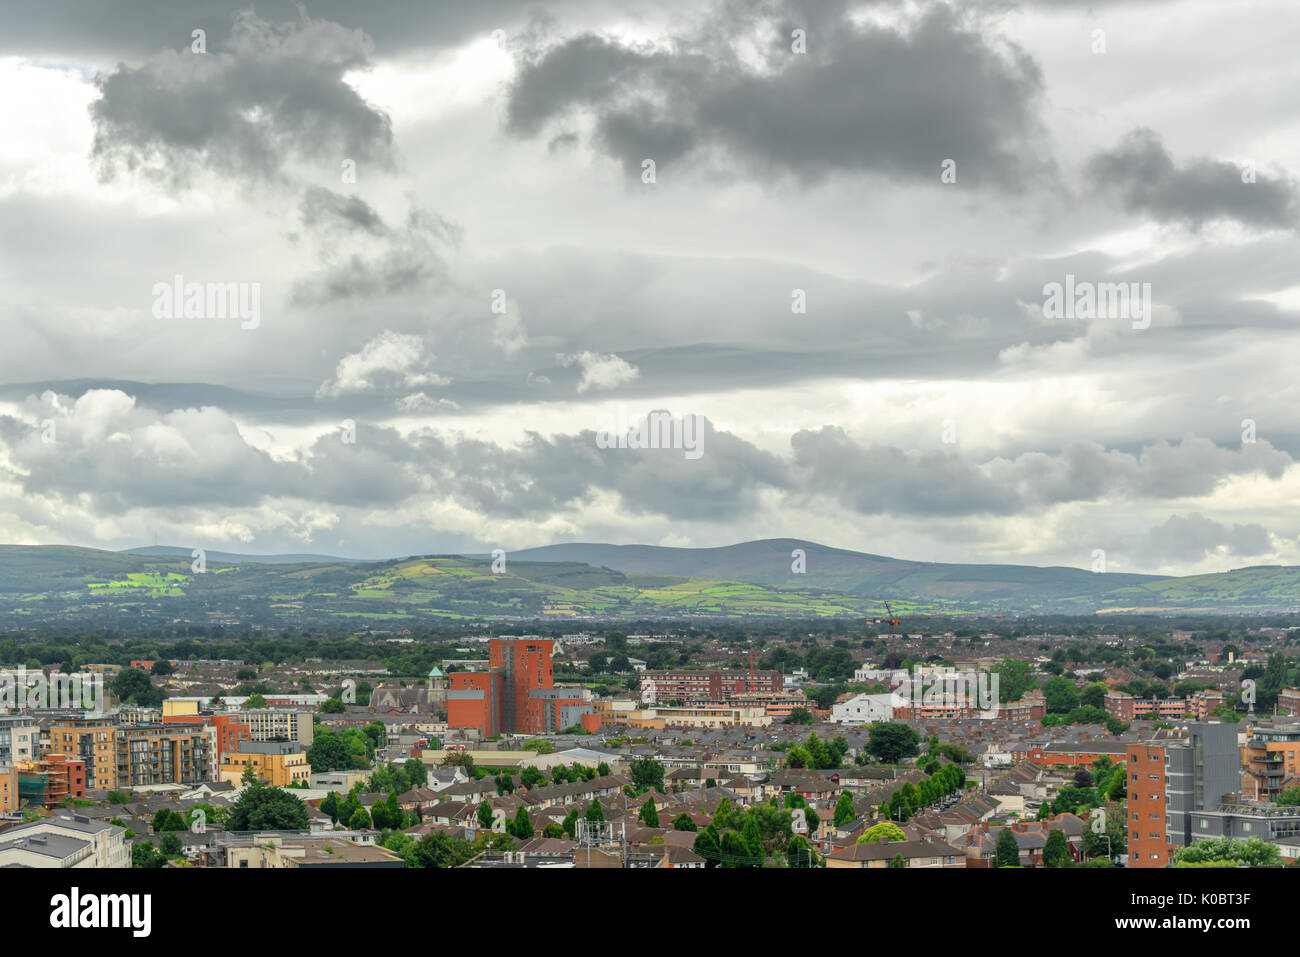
(457, 253)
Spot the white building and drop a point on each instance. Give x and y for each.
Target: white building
(65, 841)
(866, 708)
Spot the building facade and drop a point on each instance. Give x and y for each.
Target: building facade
(1172, 778)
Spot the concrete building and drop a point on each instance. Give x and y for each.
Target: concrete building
(1271, 756)
(517, 693)
(65, 841)
(135, 755)
(1248, 821)
(706, 686)
(864, 709)
(279, 724)
(1172, 777)
(277, 763)
(20, 739)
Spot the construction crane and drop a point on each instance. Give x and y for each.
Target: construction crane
(891, 620)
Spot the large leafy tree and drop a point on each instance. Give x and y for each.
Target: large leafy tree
(1008, 854)
(891, 742)
(648, 815)
(1015, 677)
(647, 773)
(884, 831)
(844, 812)
(1061, 695)
(133, 685)
(1057, 851)
(328, 752)
(264, 808)
(1226, 851)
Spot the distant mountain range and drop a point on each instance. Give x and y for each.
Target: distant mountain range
(585, 580)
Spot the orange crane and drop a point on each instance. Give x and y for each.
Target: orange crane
(891, 620)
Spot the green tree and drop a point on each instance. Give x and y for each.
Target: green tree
(170, 844)
(485, 816)
(144, 854)
(844, 812)
(1057, 851)
(884, 831)
(132, 685)
(1008, 853)
(1015, 677)
(522, 826)
(570, 824)
(330, 806)
(1224, 850)
(684, 822)
(649, 816)
(264, 808)
(1061, 695)
(647, 773)
(328, 752)
(707, 846)
(890, 742)
(799, 853)
(360, 820)
(168, 820)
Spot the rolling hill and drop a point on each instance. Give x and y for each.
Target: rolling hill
(40, 584)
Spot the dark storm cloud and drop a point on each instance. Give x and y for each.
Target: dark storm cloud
(119, 456)
(545, 475)
(876, 480)
(272, 93)
(869, 98)
(362, 256)
(1190, 538)
(1143, 173)
(325, 208)
(141, 27)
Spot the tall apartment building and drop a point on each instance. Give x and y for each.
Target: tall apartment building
(471, 701)
(20, 739)
(517, 693)
(230, 730)
(279, 724)
(1271, 756)
(92, 741)
(134, 755)
(1172, 777)
(706, 686)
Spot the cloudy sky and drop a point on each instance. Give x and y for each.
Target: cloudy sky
(479, 233)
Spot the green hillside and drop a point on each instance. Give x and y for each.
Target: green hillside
(54, 583)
